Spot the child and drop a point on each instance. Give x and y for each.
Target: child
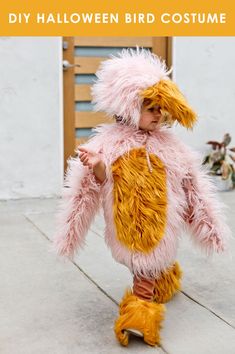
(149, 183)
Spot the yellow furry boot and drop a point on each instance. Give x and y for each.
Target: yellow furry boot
(141, 316)
(168, 284)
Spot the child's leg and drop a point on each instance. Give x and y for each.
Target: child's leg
(168, 284)
(144, 288)
(140, 313)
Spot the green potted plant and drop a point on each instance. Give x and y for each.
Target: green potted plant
(220, 161)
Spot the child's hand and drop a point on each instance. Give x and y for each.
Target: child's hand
(89, 158)
(94, 161)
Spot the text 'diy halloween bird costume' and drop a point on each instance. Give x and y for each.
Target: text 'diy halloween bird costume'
(154, 186)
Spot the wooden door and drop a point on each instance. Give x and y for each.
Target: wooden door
(82, 56)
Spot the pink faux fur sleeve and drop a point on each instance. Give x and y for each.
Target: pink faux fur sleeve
(79, 204)
(204, 215)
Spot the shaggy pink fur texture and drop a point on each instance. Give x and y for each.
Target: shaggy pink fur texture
(80, 202)
(191, 200)
(121, 79)
(204, 216)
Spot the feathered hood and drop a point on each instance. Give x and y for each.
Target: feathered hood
(125, 80)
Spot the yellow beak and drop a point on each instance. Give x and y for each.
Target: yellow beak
(168, 96)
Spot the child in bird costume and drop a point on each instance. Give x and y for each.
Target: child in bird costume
(149, 184)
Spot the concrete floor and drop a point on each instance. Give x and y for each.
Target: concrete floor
(48, 305)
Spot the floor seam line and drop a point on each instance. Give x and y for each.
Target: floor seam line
(28, 219)
(205, 307)
(95, 232)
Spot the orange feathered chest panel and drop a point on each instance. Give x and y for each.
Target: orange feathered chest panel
(140, 200)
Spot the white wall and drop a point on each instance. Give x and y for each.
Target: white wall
(204, 71)
(31, 155)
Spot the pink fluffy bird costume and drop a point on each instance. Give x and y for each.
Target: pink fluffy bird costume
(154, 186)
